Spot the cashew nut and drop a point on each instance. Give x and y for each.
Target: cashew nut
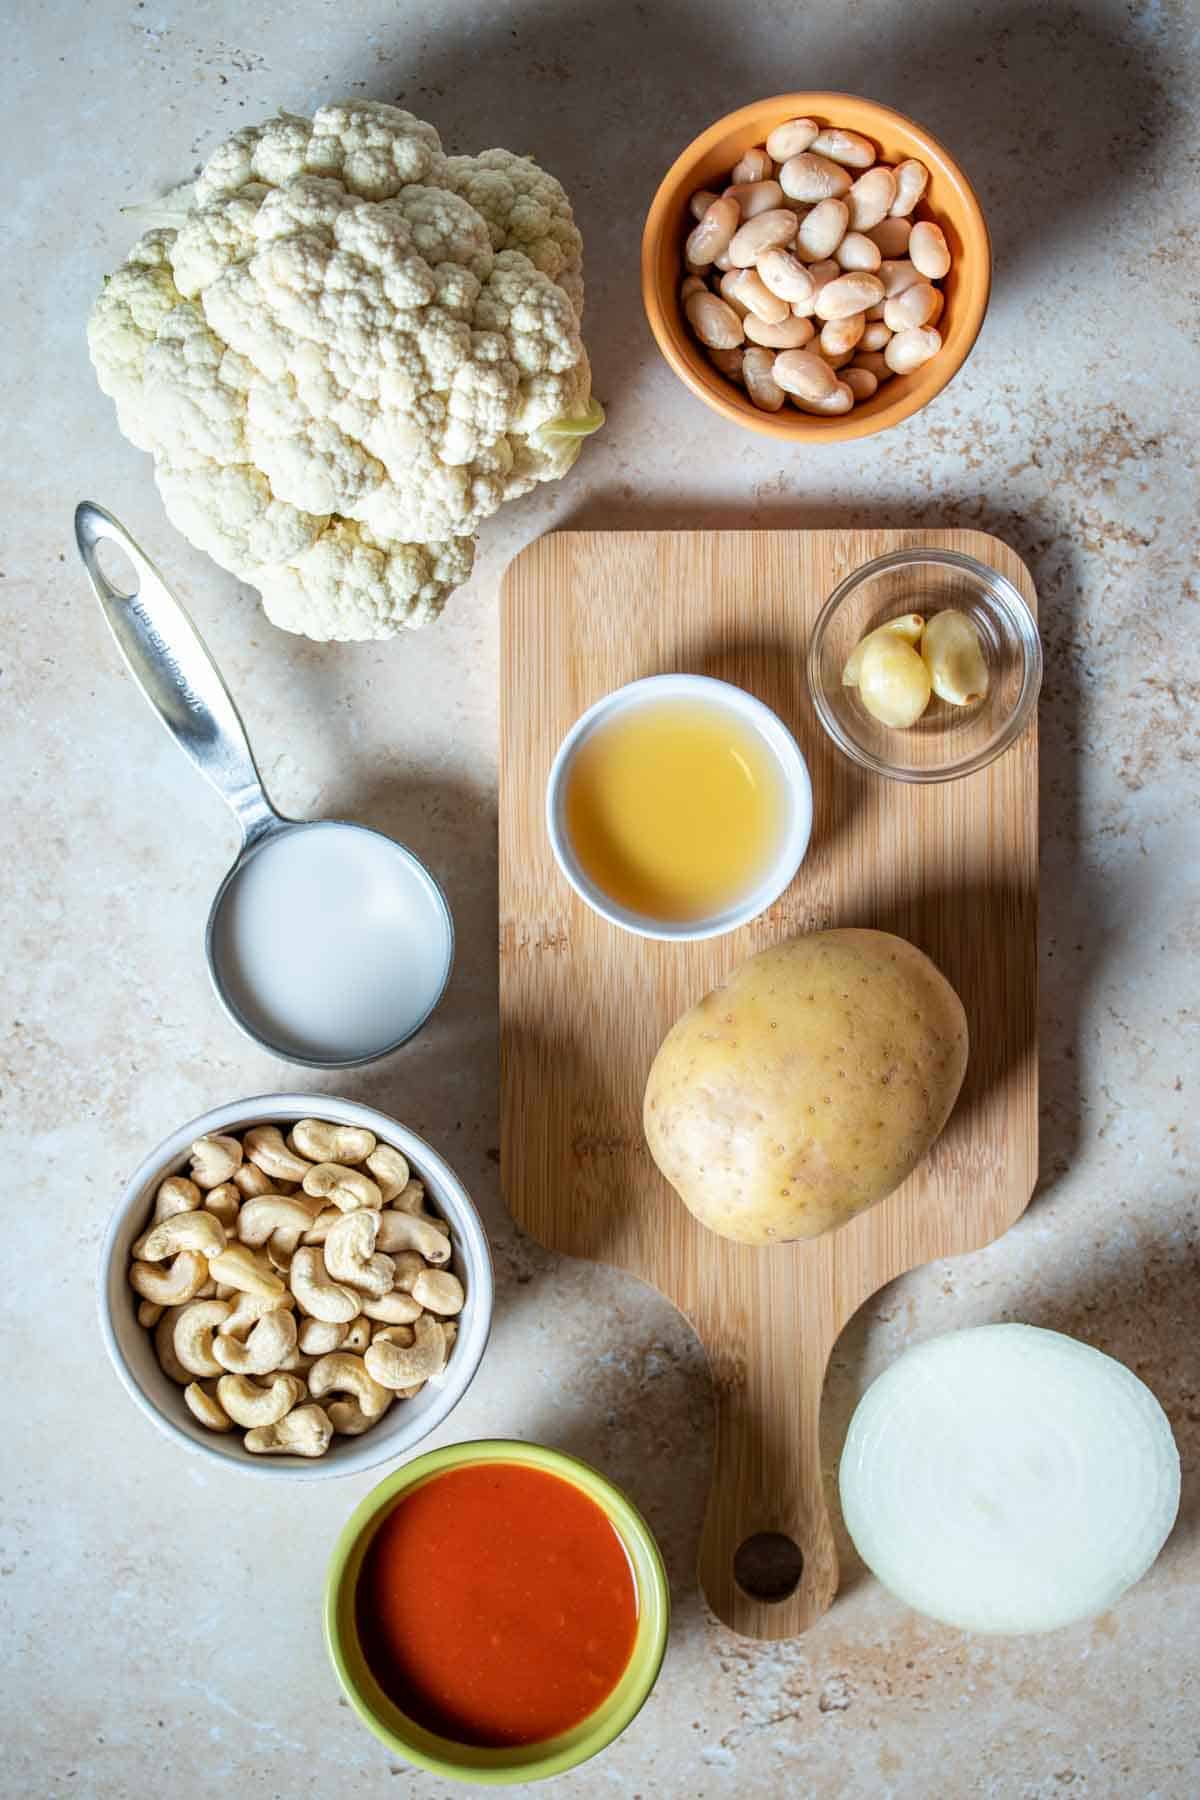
(240, 1268)
(438, 1291)
(319, 1336)
(148, 1314)
(248, 1309)
(343, 1374)
(400, 1334)
(358, 1336)
(265, 1146)
(408, 1266)
(348, 1255)
(272, 1212)
(250, 1182)
(164, 1347)
(296, 1363)
(193, 1335)
(173, 1285)
(393, 1365)
(270, 1341)
(319, 1230)
(325, 1143)
(316, 1294)
(348, 1417)
(175, 1195)
(305, 1431)
(182, 1231)
(411, 1198)
(413, 1231)
(390, 1170)
(396, 1308)
(223, 1203)
(207, 1290)
(249, 1404)
(214, 1159)
(394, 1334)
(202, 1406)
(281, 1246)
(349, 1189)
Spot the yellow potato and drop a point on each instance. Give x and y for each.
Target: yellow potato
(807, 1086)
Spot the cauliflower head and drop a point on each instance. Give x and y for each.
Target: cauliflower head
(344, 350)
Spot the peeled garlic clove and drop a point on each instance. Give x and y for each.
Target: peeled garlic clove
(893, 682)
(953, 655)
(909, 626)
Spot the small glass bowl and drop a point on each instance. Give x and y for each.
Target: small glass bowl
(948, 741)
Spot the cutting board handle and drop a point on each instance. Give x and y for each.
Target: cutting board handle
(768, 1564)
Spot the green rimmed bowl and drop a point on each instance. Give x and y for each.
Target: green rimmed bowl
(520, 1762)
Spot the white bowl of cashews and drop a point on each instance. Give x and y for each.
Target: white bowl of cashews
(245, 1334)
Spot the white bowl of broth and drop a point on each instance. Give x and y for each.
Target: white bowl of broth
(679, 807)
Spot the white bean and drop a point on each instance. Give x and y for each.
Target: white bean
(745, 292)
(848, 294)
(785, 275)
(713, 233)
(939, 305)
(874, 363)
(896, 276)
(891, 235)
(821, 231)
(928, 251)
(839, 336)
(857, 252)
(813, 178)
(870, 197)
(840, 401)
(729, 362)
(700, 202)
(915, 306)
(788, 334)
(845, 147)
(768, 231)
(753, 165)
(691, 284)
(912, 178)
(875, 335)
(714, 323)
(791, 138)
(875, 312)
(909, 349)
(861, 382)
(804, 376)
(721, 261)
(754, 197)
(761, 385)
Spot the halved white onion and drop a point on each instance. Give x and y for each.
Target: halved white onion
(1009, 1479)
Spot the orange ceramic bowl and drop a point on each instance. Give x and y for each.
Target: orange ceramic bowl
(949, 201)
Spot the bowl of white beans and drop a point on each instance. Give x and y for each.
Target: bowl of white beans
(816, 267)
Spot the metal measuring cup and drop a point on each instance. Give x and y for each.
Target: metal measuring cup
(168, 659)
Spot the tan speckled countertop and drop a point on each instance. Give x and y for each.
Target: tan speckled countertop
(160, 1620)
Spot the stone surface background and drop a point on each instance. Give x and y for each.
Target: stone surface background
(160, 1621)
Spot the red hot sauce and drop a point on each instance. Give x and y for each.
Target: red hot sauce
(496, 1605)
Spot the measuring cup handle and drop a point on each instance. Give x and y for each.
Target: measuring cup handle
(167, 658)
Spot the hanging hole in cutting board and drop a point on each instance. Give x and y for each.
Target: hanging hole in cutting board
(768, 1566)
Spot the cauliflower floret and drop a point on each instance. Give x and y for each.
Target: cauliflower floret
(228, 510)
(526, 209)
(348, 352)
(350, 587)
(124, 321)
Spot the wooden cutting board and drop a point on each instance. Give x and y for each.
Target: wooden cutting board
(583, 1006)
